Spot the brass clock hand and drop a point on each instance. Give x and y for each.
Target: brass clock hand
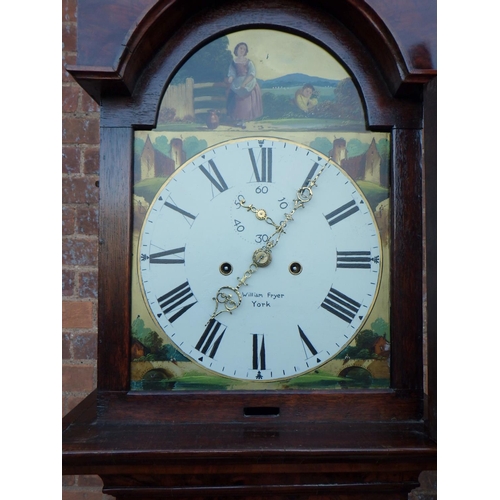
(262, 256)
(260, 213)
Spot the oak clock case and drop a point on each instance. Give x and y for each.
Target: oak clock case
(315, 317)
(355, 425)
(260, 259)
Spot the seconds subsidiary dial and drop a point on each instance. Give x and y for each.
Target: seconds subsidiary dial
(223, 290)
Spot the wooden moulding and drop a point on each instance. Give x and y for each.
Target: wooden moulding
(113, 45)
(236, 407)
(258, 457)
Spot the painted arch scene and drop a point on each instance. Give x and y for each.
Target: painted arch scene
(261, 80)
(262, 83)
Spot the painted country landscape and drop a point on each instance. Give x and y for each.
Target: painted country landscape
(255, 86)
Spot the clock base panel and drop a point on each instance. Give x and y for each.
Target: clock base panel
(260, 458)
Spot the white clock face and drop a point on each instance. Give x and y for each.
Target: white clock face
(296, 313)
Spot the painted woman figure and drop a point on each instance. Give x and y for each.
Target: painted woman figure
(244, 101)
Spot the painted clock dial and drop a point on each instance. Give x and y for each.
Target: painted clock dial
(296, 313)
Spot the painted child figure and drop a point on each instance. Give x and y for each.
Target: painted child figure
(304, 99)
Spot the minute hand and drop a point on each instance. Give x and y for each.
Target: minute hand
(262, 256)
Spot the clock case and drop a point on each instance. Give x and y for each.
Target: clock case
(351, 444)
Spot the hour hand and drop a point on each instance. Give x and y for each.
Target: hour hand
(260, 213)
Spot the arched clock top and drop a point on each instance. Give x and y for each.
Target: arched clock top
(116, 47)
(382, 110)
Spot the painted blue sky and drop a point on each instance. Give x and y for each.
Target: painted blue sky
(275, 53)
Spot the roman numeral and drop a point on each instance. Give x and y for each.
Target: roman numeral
(340, 305)
(341, 213)
(354, 260)
(161, 257)
(311, 174)
(219, 183)
(177, 299)
(180, 210)
(265, 173)
(308, 347)
(258, 352)
(211, 338)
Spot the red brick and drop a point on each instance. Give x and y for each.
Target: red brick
(80, 190)
(69, 37)
(88, 104)
(77, 314)
(85, 346)
(77, 378)
(68, 282)
(68, 221)
(70, 160)
(66, 343)
(80, 130)
(68, 59)
(88, 480)
(87, 220)
(87, 287)
(81, 495)
(428, 480)
(70, 99)
(68, 480)
(79, 252)
(91, 161)
(85, 131)
(69, 10)
(70, 401)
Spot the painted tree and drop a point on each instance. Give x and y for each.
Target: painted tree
(207, 65)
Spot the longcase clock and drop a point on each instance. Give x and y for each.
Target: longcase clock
(261, 265)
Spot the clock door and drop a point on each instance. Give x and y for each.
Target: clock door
(256, 114)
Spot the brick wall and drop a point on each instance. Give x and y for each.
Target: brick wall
(80, 195)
